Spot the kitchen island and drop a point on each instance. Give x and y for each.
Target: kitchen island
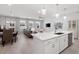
(50, 42)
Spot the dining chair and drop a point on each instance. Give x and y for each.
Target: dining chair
(15, 36)
(7, 37)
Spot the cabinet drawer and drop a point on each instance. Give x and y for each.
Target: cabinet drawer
(65, 38)
(54, 40)
(52, 47)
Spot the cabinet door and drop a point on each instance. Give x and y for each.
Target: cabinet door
(63, 42)
(69, 39)
(38, 47)
(52, 47)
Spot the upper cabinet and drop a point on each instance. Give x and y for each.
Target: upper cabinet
(10, 22)
(30, 24)
(73, 26)
(22, 24)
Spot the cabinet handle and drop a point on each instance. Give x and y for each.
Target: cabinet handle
(56, 40)
(49, 42)
(53, 45)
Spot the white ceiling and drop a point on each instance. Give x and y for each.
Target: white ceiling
(31, 10)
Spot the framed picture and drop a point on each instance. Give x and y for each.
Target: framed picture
(74, 24)
(48, 25)
(11, 24)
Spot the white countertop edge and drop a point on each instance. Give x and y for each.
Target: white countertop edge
(41, 37)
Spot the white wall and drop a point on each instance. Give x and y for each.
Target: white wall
(53, 21)
(49, 28)
(31, 10)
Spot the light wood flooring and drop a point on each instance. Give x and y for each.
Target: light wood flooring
(24, 46)
(73, 49)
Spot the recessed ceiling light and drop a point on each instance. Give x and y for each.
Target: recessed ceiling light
(65, 17)
(39, 12)
(57, 15)
(9, 4)
(7, 21)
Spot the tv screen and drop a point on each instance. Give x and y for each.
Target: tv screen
(48, 25)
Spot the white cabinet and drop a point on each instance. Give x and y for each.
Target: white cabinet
(38, 46)
(63, 42)
(52, 46)
(66, 41)
(56, 45)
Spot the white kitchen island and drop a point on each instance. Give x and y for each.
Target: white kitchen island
(50, 43)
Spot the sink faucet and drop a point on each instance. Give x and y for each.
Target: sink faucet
(57, 26)
(55, 29)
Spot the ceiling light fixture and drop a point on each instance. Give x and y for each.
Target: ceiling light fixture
(65, 17)
(43, 11)
(10, 9)
(9, 4)
(57, 14)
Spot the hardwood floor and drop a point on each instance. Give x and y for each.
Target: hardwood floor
(24, 46)
(73, 49)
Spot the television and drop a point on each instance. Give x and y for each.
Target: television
(48, 25)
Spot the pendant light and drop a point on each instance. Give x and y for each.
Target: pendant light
(10, 9)
(43, 11)
(57, 14)
(65, 17)
(9, 4)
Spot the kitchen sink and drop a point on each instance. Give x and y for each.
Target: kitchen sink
(59, 33)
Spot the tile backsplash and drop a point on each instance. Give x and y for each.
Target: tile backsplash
(58, 25)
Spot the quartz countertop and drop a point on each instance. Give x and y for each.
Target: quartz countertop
(49, 35)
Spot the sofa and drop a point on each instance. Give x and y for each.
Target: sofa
(28, 33)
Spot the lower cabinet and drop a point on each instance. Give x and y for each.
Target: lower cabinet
(63, 42)
(56, 45)
(51, 46)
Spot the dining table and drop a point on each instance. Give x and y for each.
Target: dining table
(14, 33)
